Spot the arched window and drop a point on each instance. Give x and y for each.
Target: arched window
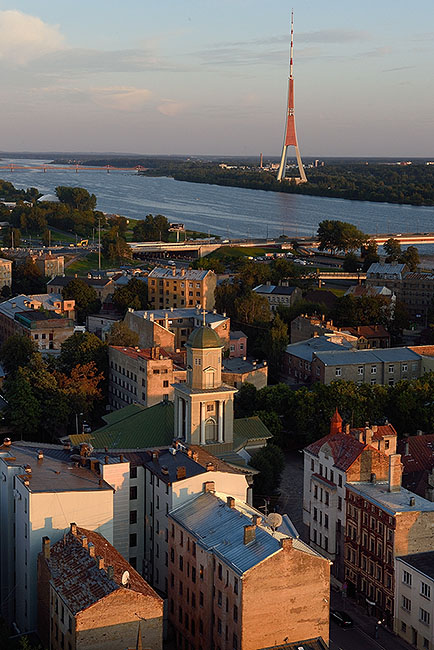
(210, 430)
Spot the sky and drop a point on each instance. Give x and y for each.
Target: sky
(210, 76)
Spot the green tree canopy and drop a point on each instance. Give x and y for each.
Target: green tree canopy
(270, 461)
(134, 295)
(76, 197)
(410, 257)
(339, 236)
(17, 352)
(120, 334)
(80, 349)
(392, 248)
(152, 228)
(27, 278)
(86, 299)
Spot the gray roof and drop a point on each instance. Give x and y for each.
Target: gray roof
(51, 474)
(237, 334)
(239, 365)
(218, 527)
(306, 349)
(353, 356)
(175, 273)
(171, 462)
(192, 314)
(391, 502)
(63, 280)
(386, 270)
(274, 289)
(423, 562)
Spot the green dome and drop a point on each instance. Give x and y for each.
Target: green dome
(204, 337)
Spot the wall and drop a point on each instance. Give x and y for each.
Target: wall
(413, 593)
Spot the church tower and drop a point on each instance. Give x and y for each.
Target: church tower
(204, 406)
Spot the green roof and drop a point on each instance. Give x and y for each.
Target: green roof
(78, 438)
(204, 337)
(146, 427)
(246, 429)
(121, 414)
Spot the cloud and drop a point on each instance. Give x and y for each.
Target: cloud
(171, 107)
(333, 36)
(121, 98)
(24, 37)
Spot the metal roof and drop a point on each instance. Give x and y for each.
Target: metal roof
(391, 502)
(218, 527)
(175, 273)
(386, 270)
(188, 313)
(422, 562)
(281, 290)
(306, 349)
(353, 356)
(172, 462)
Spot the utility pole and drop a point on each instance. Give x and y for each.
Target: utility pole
(99, 243)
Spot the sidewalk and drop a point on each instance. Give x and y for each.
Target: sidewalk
(386, 638)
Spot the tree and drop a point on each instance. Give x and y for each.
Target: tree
(275, 344)
(152, 228)
(351, 263)
(16, 352)
(225, 295)
(114, 247)
(5, 291)
(81, 387)
(245, 400)
(120, 334)
(270, 461)
(27, 278)
(134, 295)
(411, 258)
(252, 308)
(339, 236)
(12, 238)
(23, 408)
(370, 254)
(80, 349)
(392, 248)
(76, 197)
(214, 263)
(86, 299)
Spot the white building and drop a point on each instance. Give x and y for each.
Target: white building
(414, 599)
(40, 496)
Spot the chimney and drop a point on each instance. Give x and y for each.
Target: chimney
(73, 528)
(286, 542)
(256, 520)
(373, 477)
(164, 469)
(7, 442)
(183, 272)
(209, 486)
(419, 432)
(121, 458)
(395, 472)
(347, 428)
(368, 436)
(412, 501)
(106, 460)
(195, 456)
(180, 472)
(46, 547)
(249, 533)
(84, 541)
(210, 467)
(67, 446)
(91, 549)
(174, 271)
(28, 470)
(99, 562)
(230, 502)
(110, 572)
(374, 428)
(40, 454)
(155, 455)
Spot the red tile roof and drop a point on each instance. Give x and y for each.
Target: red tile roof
(344, 448)
(382, 430)
(79, 581)
(421, 453)
(368, 331)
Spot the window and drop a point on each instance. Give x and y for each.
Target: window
(373, 370)
(425, 590)
(360, 370)
(326, 521)
(193, 574)
(201, 571)
(312, 465)
(219, 598)
(340, 481)
(326, 498)
(201, 598)
(235, 642)
(133, 492)
(133, 517)
(181, 563)
(391, 369)
(339, 503)
(406, 578)
(133, 472)
(403, 627)
(236, 585)
(424, 616)
(404, 367)
(235, 613)
(406, 604)
(197, 362)
(133, 539)
(165, 384)
(338, 372)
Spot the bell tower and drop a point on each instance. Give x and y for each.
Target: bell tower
(204, 412)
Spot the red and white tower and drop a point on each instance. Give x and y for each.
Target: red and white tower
(290, 137)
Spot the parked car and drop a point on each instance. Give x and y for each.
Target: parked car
(341, 618)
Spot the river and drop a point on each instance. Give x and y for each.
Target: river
(225, 211)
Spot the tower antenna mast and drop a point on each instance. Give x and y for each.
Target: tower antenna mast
(290, 136)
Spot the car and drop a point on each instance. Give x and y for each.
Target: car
(341, 618)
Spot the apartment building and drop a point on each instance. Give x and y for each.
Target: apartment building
(49, 265)
(238, 371)
(143, 376)
(90, 597)
(343, 455)
(305, 327)
(238, 344)
(298, 357)
(171, 328)
(38, 495)
(385, 367)
(234, 582)
(278, 295)
(104, 287)
(173, 287)
(383, 521)
(172, 477)
(414, 609)
(5, 273)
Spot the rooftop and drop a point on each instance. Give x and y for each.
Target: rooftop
(165, 464)
(50, 474)
(22, 303)
(423, 562)
(77, 578)
(420, 453)
(175, 273)
(274, 289)
(353, 356)
(204, 337)
(219, 527)
(182, 313)
(391, 502)
(386, 270)
(306, 349)
(237, 334)
(240, 365)
(368, 331)
(63, 280)
(142, 353)
(344, 448)
(309, 644)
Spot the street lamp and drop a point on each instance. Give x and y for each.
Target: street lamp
(76, 421)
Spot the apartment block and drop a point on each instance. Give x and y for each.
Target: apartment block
(89, 597)
(143, 376)
(173, 287)
(171, 328)
(343, 455)
(305, 327)
(104, 287)
(238, 371)
(298, 357)
(38, 493)
(49, 265)
(5, 273)
(385, 367)
(278, 295)
(235, 582)
(414, 601)
(383, 521)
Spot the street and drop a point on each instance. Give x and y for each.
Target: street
(353, 639)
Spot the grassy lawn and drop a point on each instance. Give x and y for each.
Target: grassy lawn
(238, 251)
(85, 264)
(63, 237)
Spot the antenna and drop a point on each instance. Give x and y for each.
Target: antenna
(125, 578)
(291, 50)
(274, 520)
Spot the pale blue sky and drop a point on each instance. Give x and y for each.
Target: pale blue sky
(210, 77)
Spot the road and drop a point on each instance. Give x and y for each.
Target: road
(354, 639)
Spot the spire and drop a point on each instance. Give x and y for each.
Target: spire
(336, 422)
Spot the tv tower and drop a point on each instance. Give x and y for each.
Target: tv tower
(290, 137)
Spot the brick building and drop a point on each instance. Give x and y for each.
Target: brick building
(49, 265)
(383, 521)
(369, 336)
(238, 344)
(173, 287)
(89, 597)
(143, 376)
(236, 583)
(171, 328)
(343, 455)
(238, 371)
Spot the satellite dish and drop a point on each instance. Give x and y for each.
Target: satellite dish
(274, 520)
(125, 578)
